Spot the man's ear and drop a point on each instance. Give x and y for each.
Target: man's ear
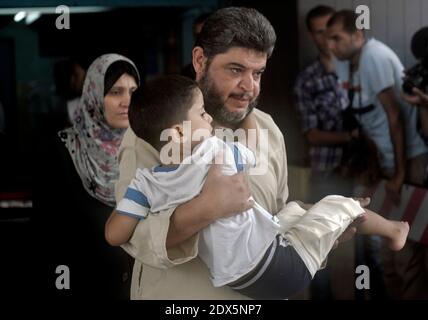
(198, 60)
(359, 36)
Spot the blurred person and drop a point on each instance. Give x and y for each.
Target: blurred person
(420, 99)
(373, 75)
(52, 107)
(415, 83)
(198, 23)
(76, 77)
(320, 101)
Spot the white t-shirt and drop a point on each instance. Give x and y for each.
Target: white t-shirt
(230, 247)
(380, 68)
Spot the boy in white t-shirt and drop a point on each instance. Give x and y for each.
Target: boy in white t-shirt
(253, 252)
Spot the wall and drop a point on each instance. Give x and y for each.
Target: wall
(392, 21)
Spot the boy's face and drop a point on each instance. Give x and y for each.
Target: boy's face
(200, 120)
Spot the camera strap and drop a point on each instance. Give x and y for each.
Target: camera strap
(351, 93)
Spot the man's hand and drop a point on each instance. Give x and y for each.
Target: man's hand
(349, 233)
(417, 98)
(222, 196)
(355, 133)
(226, 195)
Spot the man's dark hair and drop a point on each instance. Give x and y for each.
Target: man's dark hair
(346, 18)
(115, 71)
(158, 105)
(318, 12)
(236, 27)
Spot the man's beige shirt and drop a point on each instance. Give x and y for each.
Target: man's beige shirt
(179, 273)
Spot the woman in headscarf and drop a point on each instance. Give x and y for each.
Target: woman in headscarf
(100, 122)
(79, 194)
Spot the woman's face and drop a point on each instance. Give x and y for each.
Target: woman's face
(117, 100)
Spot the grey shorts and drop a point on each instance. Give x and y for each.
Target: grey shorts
(280, 275)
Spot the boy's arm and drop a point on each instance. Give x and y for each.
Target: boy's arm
(169, 237)
(119, 228)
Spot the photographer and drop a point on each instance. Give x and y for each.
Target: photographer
(420, 99)
(373, 73)
(415, 86)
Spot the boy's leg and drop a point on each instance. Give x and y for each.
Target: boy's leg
(314, 235)
(281, 275)
(290, 216)
(395, 231)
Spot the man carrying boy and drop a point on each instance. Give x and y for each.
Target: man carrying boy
(229, 58)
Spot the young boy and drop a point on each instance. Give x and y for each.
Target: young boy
(255, 253)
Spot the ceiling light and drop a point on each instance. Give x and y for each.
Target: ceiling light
(19, 16)
(32, 16)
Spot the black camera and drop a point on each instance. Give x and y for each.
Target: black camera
(417, 76)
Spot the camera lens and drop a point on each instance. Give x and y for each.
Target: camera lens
(408, 86)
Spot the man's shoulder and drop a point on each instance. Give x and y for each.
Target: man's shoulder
(130, 140)
(265, 121)
(373, 44)
(262, 117)
(375, 50)
(134, 145)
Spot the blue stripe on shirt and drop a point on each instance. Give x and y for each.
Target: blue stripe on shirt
(164, 169)
(137, 197)
(131, 215)
(238, 158)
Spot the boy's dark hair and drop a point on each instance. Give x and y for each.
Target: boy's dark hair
(346, 18)
(159, 104)
(236, 27)
(115, 71)
(318, 12)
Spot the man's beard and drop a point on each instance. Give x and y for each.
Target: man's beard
(216, 107)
